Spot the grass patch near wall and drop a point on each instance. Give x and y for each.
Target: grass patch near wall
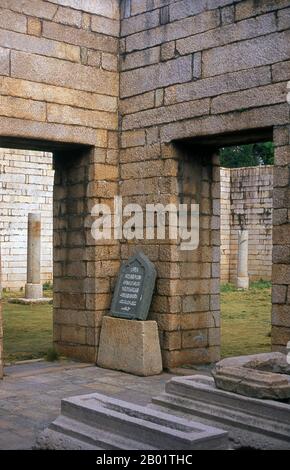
(27, 329)
(246, 319)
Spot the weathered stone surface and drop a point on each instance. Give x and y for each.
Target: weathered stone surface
(185, 8)
(42, 46)
(259, 96)
(53, 132)
(140, 58)
(68, 16)
(270, 362)
(11, 20)
(247, 54)
(34, 26)
(4, 61)
(251, 422)
(38, 8)
(220, 85)
(55, 72)
(171, 31)
(280, 312)
(252, 383)
(281, 71)
(167, 114)
(105, 26)
(80, 37)
(110, 8)
(230, 122)
(140, 23)
(21, 108)
(253, 8)
(235, 32)
(59, 95)
(95, 422)
(138, 103)
(130, 345)
(70, 115)
(160, 75)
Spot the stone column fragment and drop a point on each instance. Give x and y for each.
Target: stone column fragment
(243, 250)
(33, 288)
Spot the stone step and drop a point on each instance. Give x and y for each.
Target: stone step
(102, 422)
(250, 421)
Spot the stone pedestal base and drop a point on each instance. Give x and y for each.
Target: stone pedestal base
(24, 301)
(33, 291)
(131, 346)
(242, 282)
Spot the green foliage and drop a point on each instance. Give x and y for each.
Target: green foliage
(47, 285)
(52, 355)
(261, 284)
(227, 287)
(247, 155)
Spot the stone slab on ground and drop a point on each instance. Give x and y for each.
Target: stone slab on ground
(251, 422)
(253, 383)
(271, 362)
(24, 301)
(130, 345)
(96, 421)
(258, 375)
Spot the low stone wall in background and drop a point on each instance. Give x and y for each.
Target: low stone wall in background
(247, 203)
(26, 185)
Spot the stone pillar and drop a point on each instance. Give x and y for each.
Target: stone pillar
(33, 288)
(243, 247)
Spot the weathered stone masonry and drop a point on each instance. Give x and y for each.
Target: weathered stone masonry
(193, 75)
(196, 76)
(27, 184)
(59, 92)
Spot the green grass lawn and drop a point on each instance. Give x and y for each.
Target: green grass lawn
(246, 319)
(245, 324)
(27, 330)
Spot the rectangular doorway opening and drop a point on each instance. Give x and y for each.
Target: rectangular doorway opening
(43, 206)
(26, 191)
(230, 176)
(246, 181)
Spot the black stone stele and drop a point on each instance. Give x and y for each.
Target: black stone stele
(134, 288)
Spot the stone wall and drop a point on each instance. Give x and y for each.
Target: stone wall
(246, 203)
(26, 184)
(59, 88)
(194, 77)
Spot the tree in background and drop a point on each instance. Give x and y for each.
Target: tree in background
(247, 155)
